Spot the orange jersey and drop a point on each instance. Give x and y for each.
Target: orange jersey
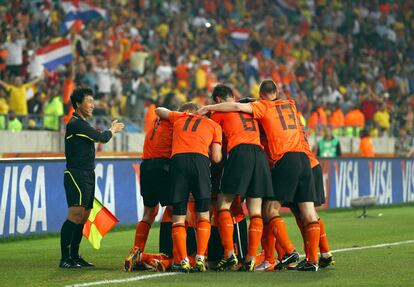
(279, 121)
(239, 128)
(158, 140)
(313, 160)
(193, 133)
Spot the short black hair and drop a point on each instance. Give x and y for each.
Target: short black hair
(268, 87)
(189, 107)
(222, 92)
(79, 95)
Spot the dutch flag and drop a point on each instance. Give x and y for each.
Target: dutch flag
(79, 10)
(239, 36)
(55, 54)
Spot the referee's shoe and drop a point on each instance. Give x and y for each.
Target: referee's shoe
(68, 263)
(82, 262)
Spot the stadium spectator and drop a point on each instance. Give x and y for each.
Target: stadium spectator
(14, 58)
(328, 146)
(366, 148)
(53, 111)
(137, 90)
(18, 94)
(14, 124)
(382, 119)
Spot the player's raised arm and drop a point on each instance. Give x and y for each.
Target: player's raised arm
(163, 113)
(226, 107)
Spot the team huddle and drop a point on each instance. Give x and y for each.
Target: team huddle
(263, 157)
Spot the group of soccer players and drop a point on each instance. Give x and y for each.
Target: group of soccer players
(269, 163)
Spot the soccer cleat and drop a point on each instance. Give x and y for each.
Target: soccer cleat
(290, 258)
(68, 263)
(307, 266)
(82, 262)
(200, 265)
(248, 266)
(227, 263)
(183, 267)
(133, 259)
(265, 266)
(326, 261)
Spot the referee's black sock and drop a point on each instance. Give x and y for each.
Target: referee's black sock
(66, 234)
(76, 239)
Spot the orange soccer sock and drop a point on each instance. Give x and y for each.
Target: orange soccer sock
(255, 234)
(268, 244)
(280, 251)
(145, 257)
(179, 237)
(226, 228)
(278, 227)
(323, 240)
(312, 241)
(141, 234)
(167, 262)
(299, 223)
(203, 235)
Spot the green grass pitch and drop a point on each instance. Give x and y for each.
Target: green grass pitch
(33, 262)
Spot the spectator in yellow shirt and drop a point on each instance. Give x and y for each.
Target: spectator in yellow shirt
(17, 92)
(382, 119)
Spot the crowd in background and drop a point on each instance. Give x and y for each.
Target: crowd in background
(348, 64)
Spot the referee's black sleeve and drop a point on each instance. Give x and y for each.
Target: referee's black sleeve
(84, 129)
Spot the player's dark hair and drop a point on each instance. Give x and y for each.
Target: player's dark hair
(188, 107)
(79, 95)
(268, 87)
(222, 92)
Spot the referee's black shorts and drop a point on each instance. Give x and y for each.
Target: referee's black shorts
(246, 172)
(319, 190)
(292, 179)
(190, 172)
(154, 180)
(79, 187)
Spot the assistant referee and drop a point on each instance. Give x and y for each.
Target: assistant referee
(79, 176)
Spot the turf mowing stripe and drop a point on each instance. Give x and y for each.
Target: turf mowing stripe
(144, 277)
(373, 246)
(131, 279)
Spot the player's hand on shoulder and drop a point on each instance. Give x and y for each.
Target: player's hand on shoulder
(116, 126)
(203, 110)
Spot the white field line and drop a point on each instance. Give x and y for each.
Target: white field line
(131, 279)
(144, 277)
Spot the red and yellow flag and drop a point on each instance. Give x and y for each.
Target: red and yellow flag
(100, 221)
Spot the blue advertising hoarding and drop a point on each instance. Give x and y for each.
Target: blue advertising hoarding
(390, 180)
(33, 198)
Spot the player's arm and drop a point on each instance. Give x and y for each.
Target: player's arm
(163, 113)
(216, 154)
(226, 107)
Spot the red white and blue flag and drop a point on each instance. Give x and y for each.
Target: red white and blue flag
(55, 54)
(76, 10)
(239, 36)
